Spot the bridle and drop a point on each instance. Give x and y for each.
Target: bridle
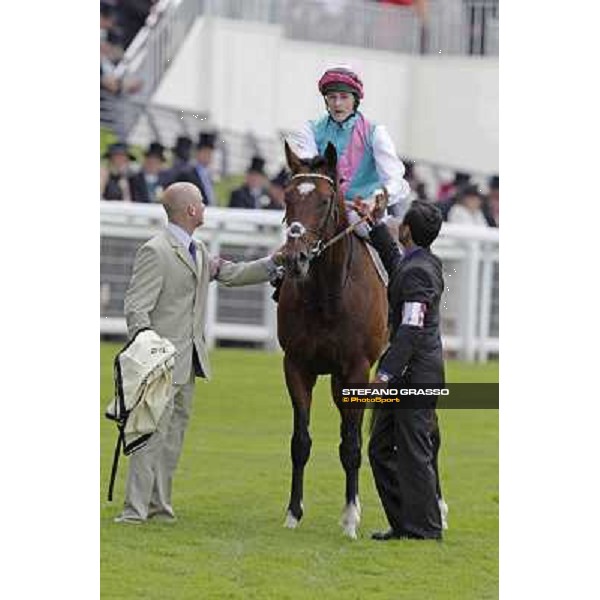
(297, 230)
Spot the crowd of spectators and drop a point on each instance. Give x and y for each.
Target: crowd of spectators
(460, 199)
(470, 204)
(120, 21)
(123, 178)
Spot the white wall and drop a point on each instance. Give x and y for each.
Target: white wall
(183, 86)
(244, 76)
(249, 77)
(454, 112)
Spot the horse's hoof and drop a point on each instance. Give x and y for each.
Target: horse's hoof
(291, 522)
(443, 513)
(351, 519)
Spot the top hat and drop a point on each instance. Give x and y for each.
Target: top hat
(182, 147)
(257, 165)
(206, 140)
(156, 149)
(118, 148)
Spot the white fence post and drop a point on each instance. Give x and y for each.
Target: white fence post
(469, 308)
(485, 303)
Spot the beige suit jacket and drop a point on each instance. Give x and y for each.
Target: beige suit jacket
(168, 293)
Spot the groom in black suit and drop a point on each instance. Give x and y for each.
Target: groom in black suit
(405, 441)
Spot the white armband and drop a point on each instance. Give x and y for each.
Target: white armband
(413, 313)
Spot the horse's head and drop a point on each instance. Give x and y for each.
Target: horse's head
(313, 208)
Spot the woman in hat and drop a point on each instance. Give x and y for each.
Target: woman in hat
(367, 158)
(114, 179)
(468, 209)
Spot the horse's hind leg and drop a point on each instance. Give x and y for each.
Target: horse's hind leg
(350, 457)
(300, 384)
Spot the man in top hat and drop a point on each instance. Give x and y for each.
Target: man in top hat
(199, 173)
(114, 178)
(180, 153)
(148, 183)
(254, 193)
(277, 187)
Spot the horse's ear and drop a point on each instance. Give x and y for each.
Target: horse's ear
(331, 159)
(292, 160)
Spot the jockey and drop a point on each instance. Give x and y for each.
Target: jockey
(367, 159)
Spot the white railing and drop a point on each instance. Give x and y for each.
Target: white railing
(470, 256)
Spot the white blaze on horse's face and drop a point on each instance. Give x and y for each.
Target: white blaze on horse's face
(306, 188)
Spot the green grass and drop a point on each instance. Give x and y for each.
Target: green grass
(225, 186)
(231, 492)
(107, 137)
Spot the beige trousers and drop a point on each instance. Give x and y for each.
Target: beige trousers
(151, 469)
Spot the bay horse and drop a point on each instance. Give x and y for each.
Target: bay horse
(332, 317)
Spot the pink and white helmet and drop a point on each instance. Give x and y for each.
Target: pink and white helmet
(341, 79)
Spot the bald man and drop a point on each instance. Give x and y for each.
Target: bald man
(167, 293)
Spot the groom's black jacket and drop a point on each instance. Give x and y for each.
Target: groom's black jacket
(414, 355)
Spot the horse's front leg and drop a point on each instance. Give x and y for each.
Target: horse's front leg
(350, 457)
(300, 384)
